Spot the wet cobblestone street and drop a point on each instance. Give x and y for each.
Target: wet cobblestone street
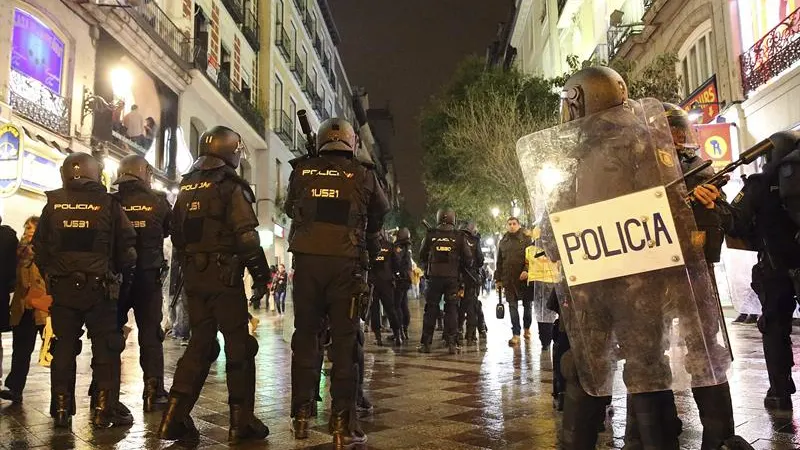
(496, 399)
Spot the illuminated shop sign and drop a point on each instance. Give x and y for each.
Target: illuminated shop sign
(37, 52)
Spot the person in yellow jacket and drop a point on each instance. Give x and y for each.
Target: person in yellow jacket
(29, 308)
(416, 276)
(541, 276)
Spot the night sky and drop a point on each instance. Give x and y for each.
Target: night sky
(403, 52)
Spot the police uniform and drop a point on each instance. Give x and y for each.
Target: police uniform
(149, 212)
(468, 311)
(381, 274)
(214, 232)
(83, 238)
(403, 279)
(336, 206)
(444, 252)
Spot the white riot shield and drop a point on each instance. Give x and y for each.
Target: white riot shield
(636, 291)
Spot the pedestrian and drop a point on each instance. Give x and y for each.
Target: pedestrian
(150, 213)
(404, 278)
(214, 229)
(445, 254)
(510, 265)
(8, 256)
(30, 307)
(540, 275)
(469, 309)
(383, 270)
(83, 242)
(337, 207)
(280, 283)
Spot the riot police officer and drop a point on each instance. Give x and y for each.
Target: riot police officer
(214, 233)
(337, 207)
(468, 310)
(765, 215)
(381, 275)
(444, 253)
(84, 240)
(150, 213)
(402, 280)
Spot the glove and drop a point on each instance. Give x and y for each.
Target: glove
(259, 291)
(498, 284)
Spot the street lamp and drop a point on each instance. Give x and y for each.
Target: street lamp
(490, 241)
(121, 82)
(495, 212)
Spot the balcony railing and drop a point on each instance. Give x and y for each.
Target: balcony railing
(251, 30)
(284, 127)
(31, 100)
(332, 79)
(308, 22)
(301, 6)
(318, 46)
(284, 43)
(309, 87)
(617, 35)
(319, 107)
(236, 9)
(773, 54)
(158, 24)
(298, 69)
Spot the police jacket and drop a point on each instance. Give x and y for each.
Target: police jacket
(335, 203)
(474, 245)
(712, 222)
(511, 257)
(404, 264)
(83, 229)
(759, 217)
(445, 252)
(214, 214)
(150, 213)
(383, 265)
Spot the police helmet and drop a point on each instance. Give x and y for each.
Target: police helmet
(134, 168)
(446, 216)
(81, 166)
(336, 135)
(223, 143)
(403, 236)
(591, 90)
(683, 134)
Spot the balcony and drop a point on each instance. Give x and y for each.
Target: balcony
(301, 6)
(773, 54)
(299, 143)
(617, 35)
(298, 69)
(319, 107)
(284, 127)
(332, 79)
(284, 43)
(236, 9)
(308, 22)
(251, 30)
(156, 22)
(249, 111)
(318, 45)
(309, 87)
(30, 99)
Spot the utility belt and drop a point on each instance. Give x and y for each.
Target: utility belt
(80, 281)
(229, 264)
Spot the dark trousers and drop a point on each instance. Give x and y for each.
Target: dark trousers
(74, 306)
(776, 293)
(513, 298)
(401, 304)
(24, 340)
(438, 287)
(325, 285)
(216, 305)
(560, 347)
(468, 309)
(383, 294)
(143, 295)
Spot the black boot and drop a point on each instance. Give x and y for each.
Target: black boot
(245, 426)
(397, 337)
(657, 419)
(424, 348)
(346, 432)
(107, 413)
(61, 410)
(300, 422)
(176, 423)
(716, 414)
(378, 339)
(777, 402)
(405, 334)
(154, 397)
(363, 405)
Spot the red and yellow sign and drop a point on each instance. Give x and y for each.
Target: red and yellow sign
(708, 99)
(715, 143)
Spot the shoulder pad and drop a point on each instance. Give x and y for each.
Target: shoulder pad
(206, 163)
(293, 162)
(246, 189)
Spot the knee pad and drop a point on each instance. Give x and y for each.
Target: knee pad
(251, 346)
(213, 352)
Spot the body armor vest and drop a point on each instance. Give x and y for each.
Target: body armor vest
(383, 263)
(200, 213)
(147, 211)
(443, 255)
(708, 220)
(83, 225)
(330, 215)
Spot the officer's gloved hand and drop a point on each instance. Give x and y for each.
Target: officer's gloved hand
(498, 284)
(259, 291)
(706, 195)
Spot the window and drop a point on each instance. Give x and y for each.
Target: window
(304, 53)
(279, 12)
(278, 187)
(294, 35)
(37, 51)
(277, 94)
(696, 62)
(293, 113)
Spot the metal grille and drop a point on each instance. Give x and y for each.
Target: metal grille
(157, 23)
(31, 100)
(773, 54)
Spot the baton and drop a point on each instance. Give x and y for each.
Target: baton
(697, 169)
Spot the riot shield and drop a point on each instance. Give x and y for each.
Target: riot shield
(636, 293)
